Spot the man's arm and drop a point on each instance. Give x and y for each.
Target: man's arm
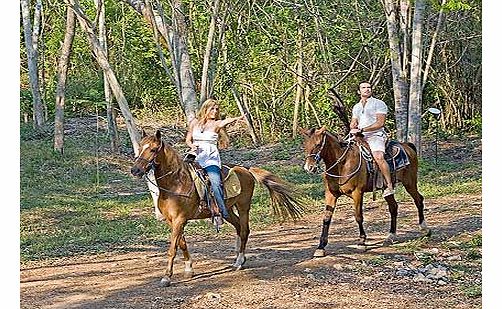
(378, 124)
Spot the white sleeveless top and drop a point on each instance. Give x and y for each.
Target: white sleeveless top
(207, 150)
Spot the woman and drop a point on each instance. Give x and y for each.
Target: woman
(202, 138)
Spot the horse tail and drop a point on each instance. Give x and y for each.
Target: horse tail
(412, 146)
(284, 203)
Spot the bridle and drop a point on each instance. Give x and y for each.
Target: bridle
(317, 158)
(152, 164)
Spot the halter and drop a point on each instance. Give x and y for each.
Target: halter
(152, 164)
(317, 158)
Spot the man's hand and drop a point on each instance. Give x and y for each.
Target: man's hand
(355, 131)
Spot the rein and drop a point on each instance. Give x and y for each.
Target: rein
(317, 158)
(152, 164)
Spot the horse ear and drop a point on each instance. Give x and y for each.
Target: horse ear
(303, 131)
(321, 130)
(158, 134)
(143, 133)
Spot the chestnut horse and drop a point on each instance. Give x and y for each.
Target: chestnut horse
(347, 174)
(179, 201)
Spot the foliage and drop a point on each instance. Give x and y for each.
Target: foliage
(262, 46)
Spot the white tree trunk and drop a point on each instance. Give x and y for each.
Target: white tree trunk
(205, 81)
(400, 84)
(415, 105)
(64, 60)
(100, 55)
(31, 51)
(110, 115)
(175, 38)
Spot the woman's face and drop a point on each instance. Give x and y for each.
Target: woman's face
(213, 111)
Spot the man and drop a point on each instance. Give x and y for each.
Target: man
(368, 118)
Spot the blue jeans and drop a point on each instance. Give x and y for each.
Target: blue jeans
(214, 173)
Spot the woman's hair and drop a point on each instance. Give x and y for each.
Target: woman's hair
(202, 114)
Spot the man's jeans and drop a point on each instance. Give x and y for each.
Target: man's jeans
(214, 174)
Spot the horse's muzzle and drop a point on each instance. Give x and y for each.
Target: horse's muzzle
(138, 172)
(311, 168)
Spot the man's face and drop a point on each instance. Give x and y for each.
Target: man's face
(365, 90)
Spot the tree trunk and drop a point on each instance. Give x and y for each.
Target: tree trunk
(433, 45)
(61, 86)
(299, 82)
(399, 82)
(110, 114)
(102, 60)
(205, 82)
(38, 111)
(415, 105)
(175, 38)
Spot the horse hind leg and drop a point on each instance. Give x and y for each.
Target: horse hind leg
(418, 199)
(242, 237)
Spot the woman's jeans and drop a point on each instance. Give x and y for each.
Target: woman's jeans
(214, 173)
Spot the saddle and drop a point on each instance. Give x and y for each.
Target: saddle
(396, 158)
(231, 184)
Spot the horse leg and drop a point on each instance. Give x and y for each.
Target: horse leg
(235, 221)
(243, 237)
(391, 202)
(326, 222)
(177, 229)
(357, 196)
(186, 256)
(418, 199)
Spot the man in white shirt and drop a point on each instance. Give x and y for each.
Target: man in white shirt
(368, 118)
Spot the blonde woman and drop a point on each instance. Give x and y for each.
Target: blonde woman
(202, 138)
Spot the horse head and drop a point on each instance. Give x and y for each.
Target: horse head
(313, 144)
(149, 148)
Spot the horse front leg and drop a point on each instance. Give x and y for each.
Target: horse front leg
(326, 222)
(177, 228)
(391, 202)
(357, 196)
(186, 257)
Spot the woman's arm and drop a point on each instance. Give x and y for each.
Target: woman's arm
(227, 121)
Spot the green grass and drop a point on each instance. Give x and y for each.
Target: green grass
(69, 206)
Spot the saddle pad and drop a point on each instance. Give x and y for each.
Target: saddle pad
(231, 183)
(396, 156)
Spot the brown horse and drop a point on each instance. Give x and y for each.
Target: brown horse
(347, 174)
(179, 201)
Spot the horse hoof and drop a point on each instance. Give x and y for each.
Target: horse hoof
(188, 274)
(241, 259)
(390, 240)
(319, 253)
(165, 282)
(426, 232)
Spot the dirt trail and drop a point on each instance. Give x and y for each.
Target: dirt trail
(280, 271)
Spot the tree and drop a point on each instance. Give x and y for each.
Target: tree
(30, 39)
(61, 86)
(110, 114)
(102, 60)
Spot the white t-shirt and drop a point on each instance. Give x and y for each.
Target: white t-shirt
(366, 115)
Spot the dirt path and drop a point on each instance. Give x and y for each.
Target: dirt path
(280, 271)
